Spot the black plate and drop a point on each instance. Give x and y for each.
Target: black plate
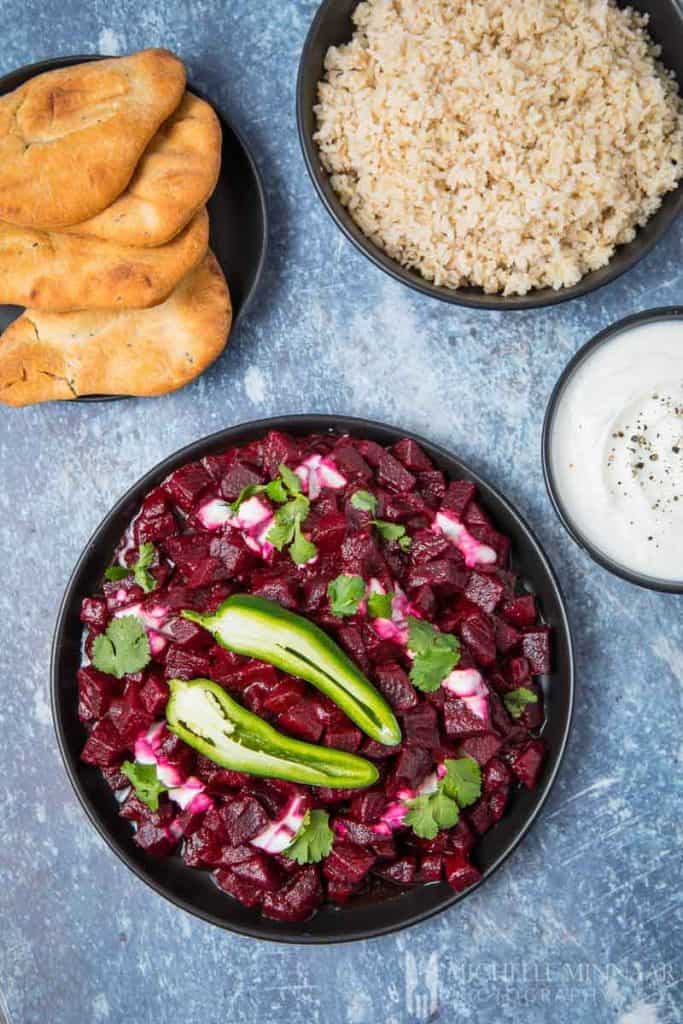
(237, 208)
(194, 890)
(332, 26)
(648, 316)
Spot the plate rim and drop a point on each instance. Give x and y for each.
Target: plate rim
(309, 423)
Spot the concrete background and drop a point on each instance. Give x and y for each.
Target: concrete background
(583, 923)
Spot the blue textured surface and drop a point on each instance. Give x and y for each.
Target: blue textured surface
(583, 923)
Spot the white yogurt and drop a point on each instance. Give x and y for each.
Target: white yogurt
(616, 449)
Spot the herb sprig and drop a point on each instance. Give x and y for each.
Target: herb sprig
(145, 782)
(139, 570)
(460, 787)
(364, 501)
(435, 654)
(314, 839)
(123, 648)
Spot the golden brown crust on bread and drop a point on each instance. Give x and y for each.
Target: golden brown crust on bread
(56, 272)
(70, 139)
(175, 177)
(45, 356)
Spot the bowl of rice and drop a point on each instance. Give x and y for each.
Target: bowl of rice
(501, 154)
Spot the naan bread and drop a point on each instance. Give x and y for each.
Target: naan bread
(57, 273)
(175, 177)
(70, 139)
(47, 356)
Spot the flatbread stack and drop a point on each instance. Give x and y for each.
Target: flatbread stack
(105, 171)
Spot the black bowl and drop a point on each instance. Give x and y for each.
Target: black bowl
(332, 26)
(194, 890)
(647, 317)
(237, 208)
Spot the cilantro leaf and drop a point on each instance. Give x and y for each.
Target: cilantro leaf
(301, 550)
(277, 491)
(145, 782)
(430, 812)
(123, 648)
(290, 479)
(462, 781)
(435, 654)
(379, 606)
(389, 531)
(364, 501)
(314, 839)
(286, 529)
(143, 576)
(516, 700)
(116, 572)
(346, 593)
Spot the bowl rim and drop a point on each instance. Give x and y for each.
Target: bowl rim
(647, 316)
(239, 433)
(39, 67)
(473, 298)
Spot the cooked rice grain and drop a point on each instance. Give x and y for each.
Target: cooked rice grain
(510, 144)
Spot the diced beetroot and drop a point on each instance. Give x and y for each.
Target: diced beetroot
(120, 593)
(481, 748)
(484, 591)
(412, 764)
(459, 493)
(505, 726)
(202, 849)
(251, 672)
(516, 672)
(420, 726)
(477, 632)
(350, 637)
(154, 696)
(424, 600)
(520, 611)
(116, 780)
(368, 806)
(185, 485)
(243, 818)
(460, 838)
(498, 802)
(480, 816)
(327, 795)
(507, 637)
(460, 873)
(460, 721)
(103, 746)
(241, 888)
(186, 634)
(155, 836)
(431, 868)
(94, 613)
(274, 588)
(343, 737)
(355, 831)
(298, 898)
(376, 751)
(371, 451)
(533, 715)
(427, 546)
(155, 529)
(392, 475)
(432, 486)
(232, 552)
(204, 572)
(187, 547)
(327, 532)
(442, 574)
(411, 455)
(178, 754)
(217, 778)
(351, 463)
(385, 849)
(327, 711)
(301, 720)
(536, 647)
(96, 690)
(496, 775)
(347, 863)
(278, 448)
(285, 694)
(400, 872)
(183, 664)
(133, 809)
(526, 762)
(394, 683)
(259, 871)
(239, 476)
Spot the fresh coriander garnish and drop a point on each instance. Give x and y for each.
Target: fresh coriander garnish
(286, 529)
(346, 593)
(123, 648)
(364, 501)
(435, 654)
(145, 782)
(139, 570)
(516, 700)
(278, 490)
(459, 787)
(393, 531)
(314, 839)
(379, 606)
